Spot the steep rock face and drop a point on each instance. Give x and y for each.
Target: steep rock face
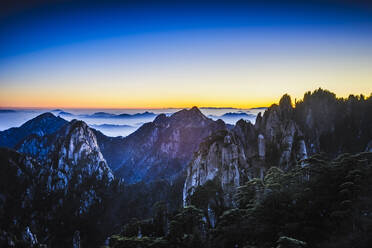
(280, 139)
(246, 151)
(71, 152)
(220, 158)
(63, 179)
(162, 148)
(72, 158)
(111, 148)
(283, 137)
(43, 124)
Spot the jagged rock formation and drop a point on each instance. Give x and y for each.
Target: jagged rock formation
(43, 124)
(70, 151)
(246, 151)
(64, 178)
(161, 149)
(282, 137)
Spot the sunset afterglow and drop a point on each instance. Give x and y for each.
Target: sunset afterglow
(181, 56)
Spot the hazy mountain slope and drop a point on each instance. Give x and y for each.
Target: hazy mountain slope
(162, 148)
(43, 124)
(111, 148)
(157, 150)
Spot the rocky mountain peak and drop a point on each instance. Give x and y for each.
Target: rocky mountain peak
(71, 151)
(285, 136)
(285, 102)
(80, 129)
(45, 115)
(41, 125)
(196, 110)
(161, 149)
(193, 114)
(80, 143)
(45, 121)
(160, 119)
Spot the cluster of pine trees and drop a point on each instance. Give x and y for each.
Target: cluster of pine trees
(326, 203)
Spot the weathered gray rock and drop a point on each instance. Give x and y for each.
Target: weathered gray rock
(72, 152)
(29, 237)
(261, 146)
(236, 156)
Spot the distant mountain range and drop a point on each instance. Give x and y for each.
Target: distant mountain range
(7, 111)
(109, 115)
(111, 126)
(234, 115)
(217, 108)
(161, 149)
(157, 150)
(41, 125)
(65, 113)
(263, 108)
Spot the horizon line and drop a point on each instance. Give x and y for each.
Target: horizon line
(253, 106)
(134, 108)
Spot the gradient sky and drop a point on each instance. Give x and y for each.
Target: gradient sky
(141, 55)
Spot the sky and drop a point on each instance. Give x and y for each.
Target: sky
(137, 54)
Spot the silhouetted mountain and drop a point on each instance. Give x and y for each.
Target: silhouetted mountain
(43, 124)
(120, 116)
(57, 110)
(162, 148)
(7, 111)
(110, 126)
(65, 113)
(100, 115)
(137, 115)
(238, 114)
(234, 115)
(217, 108)
(282, 137)
(263, 108)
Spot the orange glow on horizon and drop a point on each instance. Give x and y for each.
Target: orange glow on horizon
(49, 103)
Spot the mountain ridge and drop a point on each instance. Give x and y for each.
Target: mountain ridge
(167, 141)
(45, 123)
(283, 137)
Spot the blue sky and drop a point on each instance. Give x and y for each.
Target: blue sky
(176, 54)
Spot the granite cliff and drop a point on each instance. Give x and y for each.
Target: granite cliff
(50, 185)
(283, 137)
